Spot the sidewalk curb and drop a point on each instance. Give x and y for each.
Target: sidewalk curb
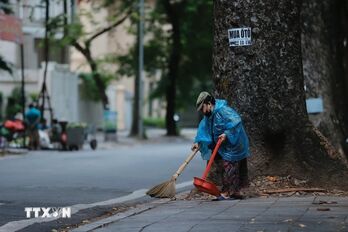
(128, 213)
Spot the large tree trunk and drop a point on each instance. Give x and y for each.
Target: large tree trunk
(323, 71)
(135, 111)
(171, 93)
(173, 11)
(264, 82)
(341, 79)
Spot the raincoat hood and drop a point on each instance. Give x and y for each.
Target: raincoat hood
(219, 103)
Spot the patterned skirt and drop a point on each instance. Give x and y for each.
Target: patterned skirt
(231, 178)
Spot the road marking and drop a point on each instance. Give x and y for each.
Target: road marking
(18, 225)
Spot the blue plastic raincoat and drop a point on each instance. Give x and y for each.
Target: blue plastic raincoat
(32, 117)
(223, 120)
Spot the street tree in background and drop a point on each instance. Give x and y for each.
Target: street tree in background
(264, 82)
(173, 10)
(5, 6)
(188, 68)
(182, 53)
(76, 35)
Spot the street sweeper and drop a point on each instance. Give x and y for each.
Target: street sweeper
(221, 122)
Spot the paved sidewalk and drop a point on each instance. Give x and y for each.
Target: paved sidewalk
(317, 214)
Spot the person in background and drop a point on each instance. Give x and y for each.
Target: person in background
(222, 122)
(43, 124)
(32, 119)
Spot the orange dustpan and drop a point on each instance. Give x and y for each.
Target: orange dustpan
(201, 183)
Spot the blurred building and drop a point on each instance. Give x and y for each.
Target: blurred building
(32, 15)
(65, 63)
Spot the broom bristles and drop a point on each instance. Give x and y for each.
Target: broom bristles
(163, 190)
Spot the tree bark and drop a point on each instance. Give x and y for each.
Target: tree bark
(172, 11)
(135, 125)
(341, 19)
(264, 82)
(323, 71)
(135, 111)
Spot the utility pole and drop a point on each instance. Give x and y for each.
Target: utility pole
(44, 93)
(141, 68)
(22, 86)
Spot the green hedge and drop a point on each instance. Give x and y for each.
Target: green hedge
(76, 125)
(154, 122)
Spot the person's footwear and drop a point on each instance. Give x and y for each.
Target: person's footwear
(222, 198)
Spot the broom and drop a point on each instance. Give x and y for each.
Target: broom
(167, 189)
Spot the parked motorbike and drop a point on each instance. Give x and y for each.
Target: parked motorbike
(12, 132)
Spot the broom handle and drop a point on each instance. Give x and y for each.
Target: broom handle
(182, 167)
(207, 169)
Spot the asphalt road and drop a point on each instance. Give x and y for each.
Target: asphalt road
(60, 179)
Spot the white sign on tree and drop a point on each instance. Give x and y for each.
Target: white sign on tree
(239, 36)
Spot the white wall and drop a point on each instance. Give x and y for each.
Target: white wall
(8, 51)
(64, 94)
(90, 112)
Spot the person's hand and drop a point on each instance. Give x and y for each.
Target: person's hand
(222, 137)
(195, 146)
